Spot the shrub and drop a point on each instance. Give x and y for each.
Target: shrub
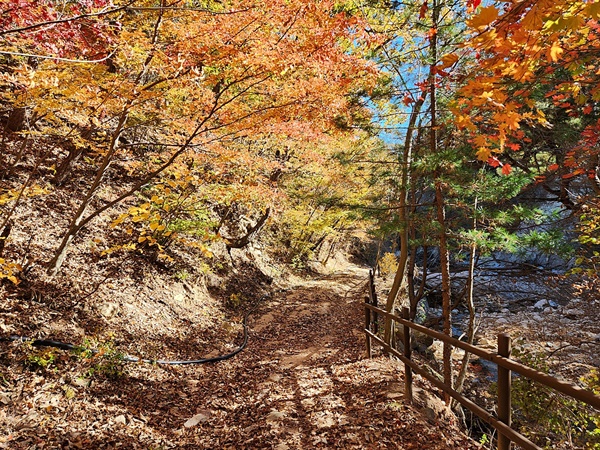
(551, 419)
(388, 264)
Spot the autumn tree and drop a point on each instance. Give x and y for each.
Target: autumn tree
(533, 103)
(174, 88)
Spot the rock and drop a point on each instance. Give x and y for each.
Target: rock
(430, 414)
(121, 419)
(437, 349)
(275, 416)
(213, 281)
(490, 368)
(548, 310)
(420, 341)
(82, 382)
(195, 420)
(456, 332)
(573, 313)
(109, 310)
(539, 306)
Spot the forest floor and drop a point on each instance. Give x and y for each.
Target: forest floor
(302, 382)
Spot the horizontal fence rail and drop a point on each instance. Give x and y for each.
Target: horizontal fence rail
(502, 421)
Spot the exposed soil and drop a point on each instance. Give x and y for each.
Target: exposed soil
(302, 382)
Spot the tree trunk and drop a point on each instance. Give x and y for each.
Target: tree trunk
(17, 119)
(4, 236)
(446, 293)
(76, 221)
(245, 240)
(441, 209)
(471, 306)
(399, 277)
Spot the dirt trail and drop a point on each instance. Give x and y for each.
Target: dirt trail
(302, 383)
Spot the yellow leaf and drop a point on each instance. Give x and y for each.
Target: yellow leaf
(486, 16)
(464, 121)
(554, 52)
(118, 220)
(581, 99)
(141, 217)
(593, 9)
(448, 60)
(483, 153)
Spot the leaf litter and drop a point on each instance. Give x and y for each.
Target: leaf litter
(302, 382)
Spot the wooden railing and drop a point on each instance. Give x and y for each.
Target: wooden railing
(502, 421)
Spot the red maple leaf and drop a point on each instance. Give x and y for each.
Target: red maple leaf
(493, 161)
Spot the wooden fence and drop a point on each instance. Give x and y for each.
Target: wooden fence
(502, 421)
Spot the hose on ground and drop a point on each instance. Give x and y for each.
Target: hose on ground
(135, 359)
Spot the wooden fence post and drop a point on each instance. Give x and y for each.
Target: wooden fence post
(373, 295)
(407, 352)
(504, 387)
(368, 327)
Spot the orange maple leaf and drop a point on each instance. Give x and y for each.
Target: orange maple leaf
(484, 153)
(506, 169)
(486, 16)
(448, 60)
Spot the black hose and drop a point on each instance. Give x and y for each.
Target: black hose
(135, 359)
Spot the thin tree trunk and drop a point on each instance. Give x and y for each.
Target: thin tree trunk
(460, 380)
(10, 170)
(331, 249)
(446, 293)
(75, 225)
(399, 277)
(376, 268)
(441, 208)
